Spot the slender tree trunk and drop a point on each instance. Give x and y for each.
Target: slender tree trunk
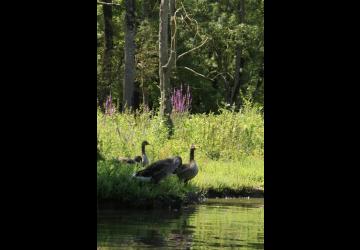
(163, 55)
(146, 8)
(166, 60)
(261, 79)
(129, 76)
(239, 62)
(108, 46)
(145, 93)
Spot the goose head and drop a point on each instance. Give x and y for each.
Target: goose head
(144, 143)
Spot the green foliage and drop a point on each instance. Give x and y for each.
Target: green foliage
(229, 135)
(247, 173)
(115, 182)
(230, 148)
(229, 139)
(219, 22)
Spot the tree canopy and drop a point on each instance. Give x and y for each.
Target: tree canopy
(218, 44)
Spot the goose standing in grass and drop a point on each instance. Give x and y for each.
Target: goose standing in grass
(137, 159)
(145, 160)
(159, 170)
(188, 171)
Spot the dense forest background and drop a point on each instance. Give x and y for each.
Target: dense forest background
(218, 47)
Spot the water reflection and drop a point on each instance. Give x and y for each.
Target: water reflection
(217, 224)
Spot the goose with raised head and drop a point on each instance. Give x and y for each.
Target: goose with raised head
(145, 160)
(186, 172)
(159, 170)
(137, 159)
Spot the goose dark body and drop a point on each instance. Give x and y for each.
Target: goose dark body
(160, 169)
(137, 159)
(186, 172)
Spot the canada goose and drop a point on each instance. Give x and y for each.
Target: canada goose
(145, 160)
(188, 171)
(137, 159)
(160, 169)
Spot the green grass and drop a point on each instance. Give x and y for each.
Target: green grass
(229, 153)
(115, 180)
(236, 175)
(115, 183)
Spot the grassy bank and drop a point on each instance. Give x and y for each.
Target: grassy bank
(236, 178)
(116, 185)
(215, 179)
(229, 154)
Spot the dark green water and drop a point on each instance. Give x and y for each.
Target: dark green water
(216, 224)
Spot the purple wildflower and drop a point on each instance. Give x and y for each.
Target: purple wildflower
(181, 101)
(109, 108)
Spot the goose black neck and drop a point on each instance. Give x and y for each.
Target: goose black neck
(192, 151)
(143, 148)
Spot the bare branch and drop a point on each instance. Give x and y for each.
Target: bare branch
(222, 75)
(103, 3)
(187, 52)
(218, 74)
(197, 73)
(191, 20)
(172, 57)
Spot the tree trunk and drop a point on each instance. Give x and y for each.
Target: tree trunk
(260, 80)
(239, 62)
(146, 7)
(163, 55)
(145, 94)
(236, 87)
(166, 61)
(129, 76)
(108, 44)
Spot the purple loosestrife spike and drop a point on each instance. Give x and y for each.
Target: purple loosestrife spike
(181, 99)
(109, 109)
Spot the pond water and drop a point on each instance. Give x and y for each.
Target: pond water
(215, 224)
